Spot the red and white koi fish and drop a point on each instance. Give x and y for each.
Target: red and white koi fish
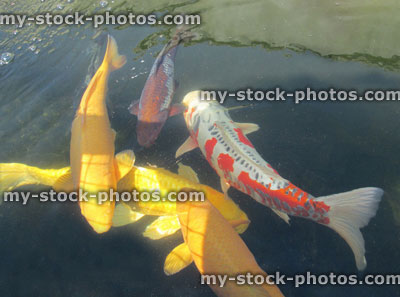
(231, 154)
(154, 106)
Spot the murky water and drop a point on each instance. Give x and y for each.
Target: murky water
(49, 250)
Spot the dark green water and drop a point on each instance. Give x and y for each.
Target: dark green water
(49, 249)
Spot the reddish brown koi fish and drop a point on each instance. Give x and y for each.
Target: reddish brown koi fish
(154, 106)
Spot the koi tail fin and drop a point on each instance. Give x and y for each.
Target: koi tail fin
(351, 211)
(112, 57)
(14, 175)
(182, 33)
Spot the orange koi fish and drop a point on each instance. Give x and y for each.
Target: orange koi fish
(218, 250)
(93, 165)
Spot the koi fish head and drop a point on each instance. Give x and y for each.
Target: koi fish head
(192, 99)
(200, 99)
(200, 107)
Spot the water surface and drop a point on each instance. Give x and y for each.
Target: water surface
(49, 250)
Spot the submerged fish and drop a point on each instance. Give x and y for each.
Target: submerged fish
(145, 179)
(93, 166)
(149, 179)
(142, 179)
(234, 158)
(154, 106)
(207, 227)
(218, 250)
(15, 175)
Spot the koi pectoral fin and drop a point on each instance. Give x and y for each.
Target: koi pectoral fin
(124, 161)
(187, 146)
(224, 186)
(282, 215)
(176, 109)
(124, 215)
(178, 259)
(237, 223)
(162, 227)
(134, 108)
(188, 172)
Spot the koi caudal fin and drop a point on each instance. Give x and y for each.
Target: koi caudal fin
(112, 57)
(14, 175)
(351, 211)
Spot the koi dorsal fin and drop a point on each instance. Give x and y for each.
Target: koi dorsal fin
(248, 128)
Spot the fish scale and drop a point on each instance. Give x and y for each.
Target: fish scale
(272, 190)
(154, 106)
(238, 164)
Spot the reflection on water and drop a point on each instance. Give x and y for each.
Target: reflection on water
(322, 147)
(358, 31)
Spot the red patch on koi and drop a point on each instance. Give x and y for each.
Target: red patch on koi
(243, 138)
(209, 146)
(225, 162)
(278, 194)
(186, 112)
(319, 206)
(191, 112)
(251, 183)
(324, 221)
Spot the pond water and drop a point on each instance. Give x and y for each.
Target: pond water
(48, 249)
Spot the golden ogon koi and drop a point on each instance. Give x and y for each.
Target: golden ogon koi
(139, 178)
(206, 228)
(93, 166)
(148, 179)
(218, 250)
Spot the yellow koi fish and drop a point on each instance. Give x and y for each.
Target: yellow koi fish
(147, 179)
(13, 175)
(218, 250)
(93, 166)
(141, 179)
(206, 226)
